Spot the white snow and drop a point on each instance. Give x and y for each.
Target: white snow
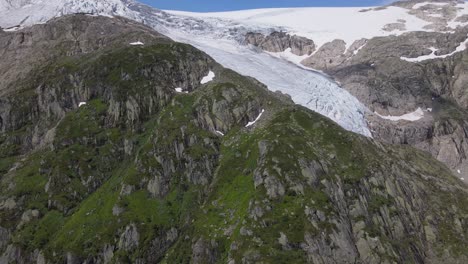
(137, 43)
(413, 116)
(289, 56)
(462, 9)
(219, 132)
(81, 104)
(12, 29)
(208, 78)
(432, 56)
(355, 52)
(323, 24)
(459, 171)
(31, 12)
(180, 90)
(256, 119)
(424, 57)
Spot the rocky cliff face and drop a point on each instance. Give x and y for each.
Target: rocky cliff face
(145, 173)
(375, 76)
(280, 41)
(433, 79)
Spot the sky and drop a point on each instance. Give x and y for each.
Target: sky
(227, 5)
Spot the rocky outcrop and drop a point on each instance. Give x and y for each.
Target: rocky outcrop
(347, 213)
(329, 55)
(4, 237)
(204, 252)
(280, 41)
(373, 73)
(130, 238)
(444, 138)
(43, 104)
(29, 48)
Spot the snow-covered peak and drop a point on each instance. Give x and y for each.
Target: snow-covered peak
(29, 12)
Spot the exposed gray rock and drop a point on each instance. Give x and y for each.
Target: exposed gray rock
(158, 188)
(283, 241)
(129, 240)
(280, 41)
(204, 252)
(329, 55)
(4, 237)
(40, 259)
(245, 232)
(108, 254)
(395, 26)
(116, 210)
(374, 75)
(160, 244)
(9, 204)
(28, 216)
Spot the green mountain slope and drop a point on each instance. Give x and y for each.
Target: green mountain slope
(144, 174)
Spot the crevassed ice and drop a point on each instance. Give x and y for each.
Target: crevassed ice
(307, 88)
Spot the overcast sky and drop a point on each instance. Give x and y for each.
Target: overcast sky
(224, 5)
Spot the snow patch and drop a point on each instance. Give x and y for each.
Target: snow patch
(289, 56)
(256, 119)
(208, 78)
(432, 56)
(355, 52)
(138, 43)
(459, 171)
(413, 116)
(180, 90)
(81, 104)
(219, 132)
(12, 29)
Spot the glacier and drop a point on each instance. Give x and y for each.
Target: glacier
(221, 39)
(306, 87)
